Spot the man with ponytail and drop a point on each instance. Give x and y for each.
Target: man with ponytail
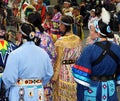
(28, 69)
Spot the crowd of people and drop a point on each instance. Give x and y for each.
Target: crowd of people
(41, 52)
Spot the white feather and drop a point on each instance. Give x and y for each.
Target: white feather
(105, 15)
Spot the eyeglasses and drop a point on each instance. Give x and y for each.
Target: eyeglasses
(21, 94)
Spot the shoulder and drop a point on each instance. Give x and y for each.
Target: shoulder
(90, 48)
(70, 40)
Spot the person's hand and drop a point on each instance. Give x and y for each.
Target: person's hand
(53, 81)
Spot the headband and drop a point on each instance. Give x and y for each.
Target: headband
(22, 31)
(67, 2)
(64, 23)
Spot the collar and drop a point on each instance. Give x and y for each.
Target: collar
(28, 43)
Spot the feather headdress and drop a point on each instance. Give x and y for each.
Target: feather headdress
(102, 26)
(105, 16)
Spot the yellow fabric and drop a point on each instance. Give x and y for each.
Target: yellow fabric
(54, 37)
(57, 64)
(65, 41)
(66, 92)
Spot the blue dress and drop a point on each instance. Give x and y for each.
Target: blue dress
(27, 62)
(89, 90)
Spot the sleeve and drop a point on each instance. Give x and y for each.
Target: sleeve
(57, 64)
(48, 71)
(80, 21)
(10, 74)
(51, 49)
(82, 68)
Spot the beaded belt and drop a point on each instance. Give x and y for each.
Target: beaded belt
(68, 61)
(27, 82)
(102, 78)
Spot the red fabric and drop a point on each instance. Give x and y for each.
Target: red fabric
(43, 11)
(83, 69)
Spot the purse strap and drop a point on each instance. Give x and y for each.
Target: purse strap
(106, 50)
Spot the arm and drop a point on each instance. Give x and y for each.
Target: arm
(10, 74)
(57, 64)
(48, 71)
(82, 68)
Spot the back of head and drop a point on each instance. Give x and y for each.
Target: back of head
(102, 26)
(98, 11)
(36, 20)
(57, 7)
(67, 21)
(76, 8)
(28, 31)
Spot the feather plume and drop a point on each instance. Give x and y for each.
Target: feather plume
(105, 15)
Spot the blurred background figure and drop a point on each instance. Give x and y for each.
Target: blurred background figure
(78, 22)
(67, 8)
(55, 30)
(47, 24)
(41, 8)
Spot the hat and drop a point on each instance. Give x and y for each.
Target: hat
(92, 10)
(102, 26)
(67, 1)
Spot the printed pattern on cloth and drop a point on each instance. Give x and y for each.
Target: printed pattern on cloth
(67, 85)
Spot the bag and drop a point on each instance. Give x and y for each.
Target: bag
(106, 51)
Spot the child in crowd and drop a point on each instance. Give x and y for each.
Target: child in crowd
(55, 31)
(67, 9)
(78, 23)
(92, 18)
(47, 24)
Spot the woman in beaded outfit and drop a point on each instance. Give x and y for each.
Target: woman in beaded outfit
(45, 40)
(97, 71)
(68, 48)
(47, 44)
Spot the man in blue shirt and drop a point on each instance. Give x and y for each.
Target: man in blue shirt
(28, 69)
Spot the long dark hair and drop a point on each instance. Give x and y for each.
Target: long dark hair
(36, 20)
(27, 29)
